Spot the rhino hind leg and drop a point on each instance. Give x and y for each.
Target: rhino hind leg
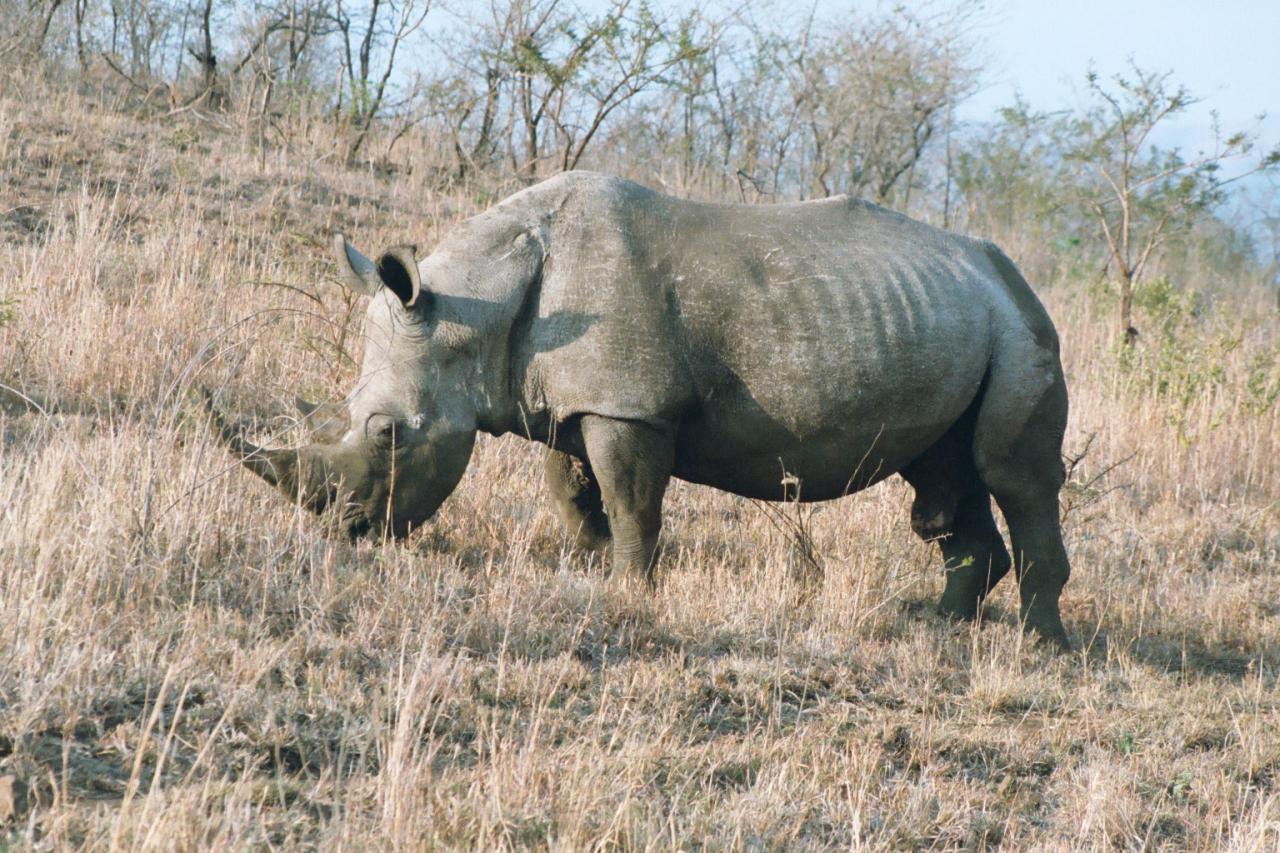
(575, 494)
(1018, 452)
(953, 508)
(632, 462)
(975, 557)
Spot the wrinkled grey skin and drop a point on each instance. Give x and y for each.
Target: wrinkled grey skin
(800, 351)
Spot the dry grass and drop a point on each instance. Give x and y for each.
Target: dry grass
(187, 662)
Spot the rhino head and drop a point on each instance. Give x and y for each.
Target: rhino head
(411, 420)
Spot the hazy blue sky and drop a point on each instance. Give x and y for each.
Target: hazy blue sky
(1227, 52)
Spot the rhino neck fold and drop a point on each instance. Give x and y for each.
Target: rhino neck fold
(501, 397)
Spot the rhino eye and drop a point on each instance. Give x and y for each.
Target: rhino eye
(380, 428)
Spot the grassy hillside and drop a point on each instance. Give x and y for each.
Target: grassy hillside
(186, 661)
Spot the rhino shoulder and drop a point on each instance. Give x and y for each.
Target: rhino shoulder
(556, 189)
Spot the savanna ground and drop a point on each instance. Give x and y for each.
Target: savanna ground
(186, 661)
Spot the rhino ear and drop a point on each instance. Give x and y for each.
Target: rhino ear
(398, 270)
(356, 271)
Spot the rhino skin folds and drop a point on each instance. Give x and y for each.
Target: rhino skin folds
(783, 352)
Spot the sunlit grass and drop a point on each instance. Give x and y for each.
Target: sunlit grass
(186, 661)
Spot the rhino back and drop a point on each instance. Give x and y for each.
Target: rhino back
(831, 341)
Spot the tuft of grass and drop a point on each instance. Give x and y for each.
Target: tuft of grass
(186, 661)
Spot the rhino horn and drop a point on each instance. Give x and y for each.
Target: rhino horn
(302, 474)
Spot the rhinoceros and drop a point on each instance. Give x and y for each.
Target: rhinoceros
(782, 352)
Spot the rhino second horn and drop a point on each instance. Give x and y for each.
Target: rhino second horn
(328, 422)
(305, 407)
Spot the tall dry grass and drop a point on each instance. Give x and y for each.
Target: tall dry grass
(186, 661)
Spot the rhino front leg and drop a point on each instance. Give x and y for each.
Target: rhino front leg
(575, 494)
(632, 462)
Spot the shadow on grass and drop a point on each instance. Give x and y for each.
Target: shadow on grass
(1186, 653)
(1175, 652)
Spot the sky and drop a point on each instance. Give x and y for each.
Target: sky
(1229, 55)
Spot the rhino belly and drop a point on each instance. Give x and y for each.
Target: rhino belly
(779, 468)
(791, 438)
